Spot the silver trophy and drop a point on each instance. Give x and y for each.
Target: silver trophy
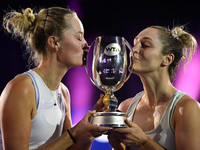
(109, 69)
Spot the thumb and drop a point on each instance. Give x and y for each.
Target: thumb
(89, 114)
(99, 103)
(130, 123)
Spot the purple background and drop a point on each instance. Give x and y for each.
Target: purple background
(107, 17)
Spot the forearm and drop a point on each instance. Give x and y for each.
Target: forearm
(151, 145)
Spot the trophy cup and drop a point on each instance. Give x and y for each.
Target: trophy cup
(109, 72)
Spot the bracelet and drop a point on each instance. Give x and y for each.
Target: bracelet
(73, 139)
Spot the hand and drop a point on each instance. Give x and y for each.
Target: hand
(99, 104)
(133, 135)
(114, 142)
(86, 132)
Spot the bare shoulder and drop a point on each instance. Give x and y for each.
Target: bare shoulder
(21, 85)
(18, 96)
(186, 123)
(18, 107)
(125, 104)
(187, 104)
(187, 108)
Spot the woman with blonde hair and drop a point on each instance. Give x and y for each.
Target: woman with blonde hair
(161, 116)
(35, 105)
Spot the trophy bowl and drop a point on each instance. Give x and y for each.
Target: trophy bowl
(108, 71)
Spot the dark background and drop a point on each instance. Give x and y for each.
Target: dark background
(101, 17)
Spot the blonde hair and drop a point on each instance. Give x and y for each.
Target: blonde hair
(178, 42)
(35, 28)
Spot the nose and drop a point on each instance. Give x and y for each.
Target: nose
(136, 49)
(85, 44)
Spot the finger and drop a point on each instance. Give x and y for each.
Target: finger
(100, 101)
(99, 104)
(104, 129)
(119, 131)
(89, 114)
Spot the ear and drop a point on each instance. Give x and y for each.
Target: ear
(53, 43)
(168, 59)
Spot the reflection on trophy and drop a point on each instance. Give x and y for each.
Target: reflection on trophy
(109, 69)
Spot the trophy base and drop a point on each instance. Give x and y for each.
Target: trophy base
(109, 119)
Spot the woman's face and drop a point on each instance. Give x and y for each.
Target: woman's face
(72, 45)
(147, 51)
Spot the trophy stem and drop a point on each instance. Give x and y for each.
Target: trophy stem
(113, 102)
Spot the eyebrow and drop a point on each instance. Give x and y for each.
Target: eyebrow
(145, 38)
(79, 32)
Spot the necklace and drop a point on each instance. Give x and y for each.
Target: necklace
(152, 109)
(47, 82)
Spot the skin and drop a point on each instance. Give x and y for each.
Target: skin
(18, 101)
(151, 66)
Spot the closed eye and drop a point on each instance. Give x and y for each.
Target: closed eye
(144, 46)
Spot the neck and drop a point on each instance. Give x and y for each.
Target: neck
(157, 90)
(50, 74)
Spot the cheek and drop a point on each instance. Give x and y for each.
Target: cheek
(74, 46)
(151, 56)
(72, 51)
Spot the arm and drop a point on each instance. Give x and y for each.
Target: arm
(83, 132)
(114, 141)
(134, 136)
(186, 124)
(16, 107)
(119, 138)
(68, 122)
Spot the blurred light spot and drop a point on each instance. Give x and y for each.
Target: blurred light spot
(188, 80)
(81, 90)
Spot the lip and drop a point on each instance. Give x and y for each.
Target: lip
(86, 48)
(85, 53)
(136, 58)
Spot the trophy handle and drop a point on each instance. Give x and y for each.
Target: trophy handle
(132, 53)
(86, 68)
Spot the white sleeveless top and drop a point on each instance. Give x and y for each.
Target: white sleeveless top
(47, 124)
(163, 134)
